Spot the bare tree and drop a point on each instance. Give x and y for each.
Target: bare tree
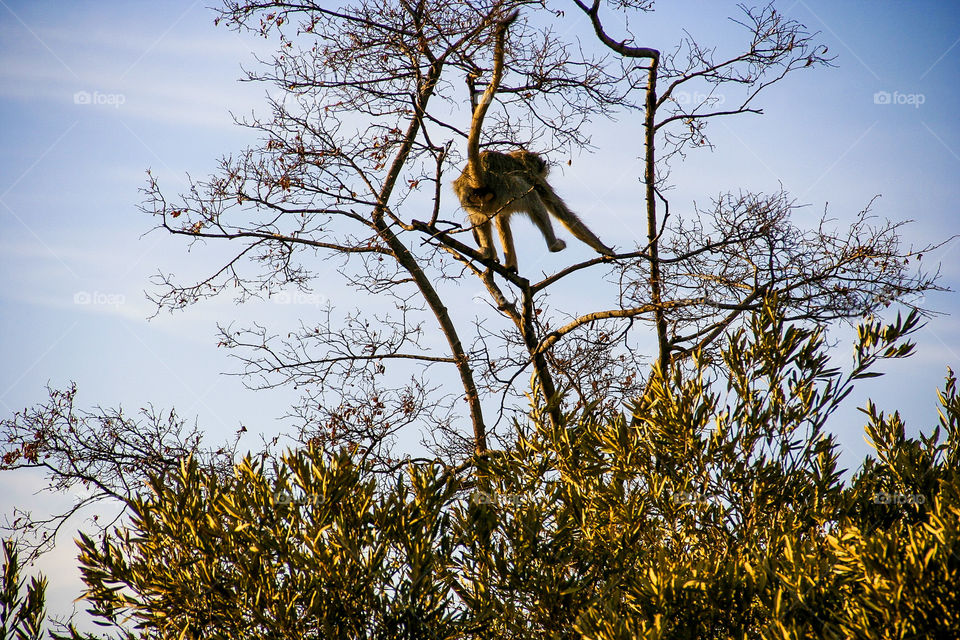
(352, 168)
(103, 455)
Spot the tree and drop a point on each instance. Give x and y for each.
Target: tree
(717, 512)
(350, 168)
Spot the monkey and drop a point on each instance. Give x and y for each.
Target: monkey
(495, 185)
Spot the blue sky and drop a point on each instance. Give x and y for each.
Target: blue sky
(94, 93)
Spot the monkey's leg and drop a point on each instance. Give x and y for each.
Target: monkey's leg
(483, 233)
(570, 220)
(582, 233)
(506, 240)
(541, 218)
(586, 236)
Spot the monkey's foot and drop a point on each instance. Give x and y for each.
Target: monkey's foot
(557, 245)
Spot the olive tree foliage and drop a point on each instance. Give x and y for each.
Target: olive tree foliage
(717, 511)
(370, 109)
(21, 605)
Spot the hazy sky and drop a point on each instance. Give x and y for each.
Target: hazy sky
(94, 93)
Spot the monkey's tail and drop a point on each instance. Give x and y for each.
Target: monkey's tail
(569, 219)
(474, 169)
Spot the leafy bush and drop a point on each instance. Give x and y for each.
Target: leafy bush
(714, 510)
